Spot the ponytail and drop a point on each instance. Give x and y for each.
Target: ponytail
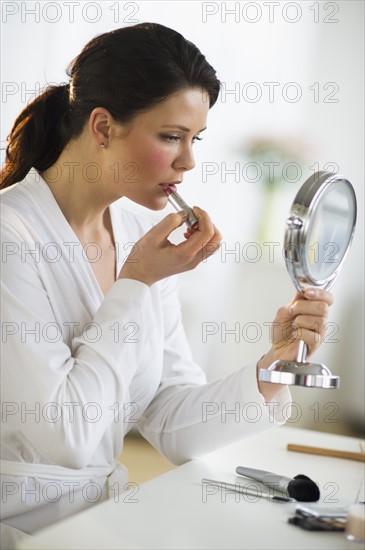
(38, 136)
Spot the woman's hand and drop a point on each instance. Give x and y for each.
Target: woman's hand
(154, 257)
(303, 319)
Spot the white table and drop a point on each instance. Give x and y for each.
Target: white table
(174, 511)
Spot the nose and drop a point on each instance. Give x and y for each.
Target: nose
(185, 160)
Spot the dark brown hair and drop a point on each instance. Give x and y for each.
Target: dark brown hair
(126, 71)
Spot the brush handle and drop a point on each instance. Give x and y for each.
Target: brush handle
(244, 490)
(326, 452)
(252, 473)
(268, 478)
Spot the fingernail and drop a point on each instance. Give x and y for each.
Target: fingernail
(291, 310)
(184, 214)
(310, 292)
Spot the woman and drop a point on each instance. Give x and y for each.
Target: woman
(92, 333)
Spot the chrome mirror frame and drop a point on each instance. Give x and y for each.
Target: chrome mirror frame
(315, 188)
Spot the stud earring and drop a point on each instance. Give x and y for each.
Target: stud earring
(102, 145)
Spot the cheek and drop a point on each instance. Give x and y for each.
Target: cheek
(157, 159)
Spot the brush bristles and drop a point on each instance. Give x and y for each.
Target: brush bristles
(303, 489)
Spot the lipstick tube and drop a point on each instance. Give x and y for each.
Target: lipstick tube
(179, 204)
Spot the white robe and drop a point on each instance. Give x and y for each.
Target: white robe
(80, 369)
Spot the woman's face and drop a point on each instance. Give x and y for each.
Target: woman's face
(156, 148)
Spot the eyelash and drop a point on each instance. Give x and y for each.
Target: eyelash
(171, 139)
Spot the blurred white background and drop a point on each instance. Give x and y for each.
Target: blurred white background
(292, 73)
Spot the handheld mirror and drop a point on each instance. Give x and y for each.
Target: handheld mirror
(318, 235)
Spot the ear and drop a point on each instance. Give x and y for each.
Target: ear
(100, 123)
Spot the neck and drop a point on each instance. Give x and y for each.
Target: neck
(79, 191)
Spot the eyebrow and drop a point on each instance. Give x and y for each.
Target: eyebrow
(183, 128)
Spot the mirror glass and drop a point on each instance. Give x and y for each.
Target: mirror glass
(329, 233)
(318, 234)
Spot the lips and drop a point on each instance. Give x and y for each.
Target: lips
(169, 187)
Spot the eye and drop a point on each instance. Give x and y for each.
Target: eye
(170, 138)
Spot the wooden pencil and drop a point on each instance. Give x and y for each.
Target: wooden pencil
(326, 452)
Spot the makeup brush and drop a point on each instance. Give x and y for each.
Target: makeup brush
(301, 487)
(224, 486)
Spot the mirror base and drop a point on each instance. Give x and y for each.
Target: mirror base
(294, 373)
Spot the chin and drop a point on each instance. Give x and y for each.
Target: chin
(154, 205)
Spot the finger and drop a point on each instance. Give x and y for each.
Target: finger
(315, 294)
(306, 303)
(306, 307)
(311, 338)
(210, 249)
(213, 246)
(309, 322)
(319, 294)
(201, 236)
(167, 225)
(189, 231)
(204, 253)
(205, 224)
(285, 314)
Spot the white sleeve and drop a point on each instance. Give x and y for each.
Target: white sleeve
(41, 370)
(188, 417)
